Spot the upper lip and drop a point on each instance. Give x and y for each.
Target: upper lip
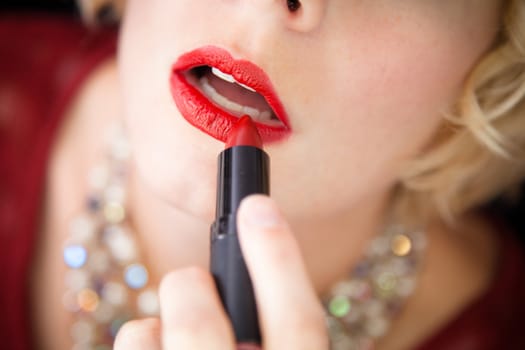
(211, 119)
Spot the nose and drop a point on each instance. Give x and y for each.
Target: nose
(263, 27)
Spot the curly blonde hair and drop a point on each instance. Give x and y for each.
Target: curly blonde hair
(480, 151)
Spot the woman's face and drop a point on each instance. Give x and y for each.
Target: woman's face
(363, 83)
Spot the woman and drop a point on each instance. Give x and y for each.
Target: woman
(390, 117)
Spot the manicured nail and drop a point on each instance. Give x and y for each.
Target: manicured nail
(259, 211)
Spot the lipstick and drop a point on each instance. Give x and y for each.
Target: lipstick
(243, 170)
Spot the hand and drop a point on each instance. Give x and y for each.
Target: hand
(192, 316)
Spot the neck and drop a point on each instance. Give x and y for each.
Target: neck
(172, 238)
(333, 245)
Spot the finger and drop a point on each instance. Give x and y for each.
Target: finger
(290, 313)
(191, 312)
(139, 334)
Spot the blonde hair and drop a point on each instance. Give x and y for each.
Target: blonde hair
(480, 151)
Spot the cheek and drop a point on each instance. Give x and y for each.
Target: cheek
(175, 161)
(374, 103)
(415, 74)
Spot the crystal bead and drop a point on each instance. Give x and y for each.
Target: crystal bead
(148, 303)
(401, 245)
(114, 293)
(87, 300)
(136, 276)
(114, 212)
(75, 256)
(339, 306)
(121, 244)
(386, 281)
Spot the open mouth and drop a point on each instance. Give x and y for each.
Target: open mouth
(232, 96)
(212, 91)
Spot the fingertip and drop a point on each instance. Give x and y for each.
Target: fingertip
(139, 334)
(259, 212)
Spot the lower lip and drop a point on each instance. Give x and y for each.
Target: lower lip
(207, 117)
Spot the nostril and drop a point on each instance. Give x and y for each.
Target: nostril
(302, 16)
(293, 5)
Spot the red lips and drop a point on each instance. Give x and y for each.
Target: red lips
(202, 113)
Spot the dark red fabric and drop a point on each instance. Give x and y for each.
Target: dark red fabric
(496, 319)
(43, 60)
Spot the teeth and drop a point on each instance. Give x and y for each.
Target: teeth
(252, 112)
(229, 78)
(244, 86)
(223, 76)
(230, 105)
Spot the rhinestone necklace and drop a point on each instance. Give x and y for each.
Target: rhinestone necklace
(107, 282)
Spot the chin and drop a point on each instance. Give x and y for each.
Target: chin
(182, 179)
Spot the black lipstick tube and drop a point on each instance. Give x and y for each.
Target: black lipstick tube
(243, 170)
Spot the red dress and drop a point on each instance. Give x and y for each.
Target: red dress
(43, 62)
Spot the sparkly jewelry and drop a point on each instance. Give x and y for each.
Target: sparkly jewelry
(359, 309)
(107, 283)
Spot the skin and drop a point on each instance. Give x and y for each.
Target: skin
(364, 84)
